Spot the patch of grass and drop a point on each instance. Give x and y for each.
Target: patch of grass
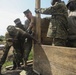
(7, 63)
(31, 55)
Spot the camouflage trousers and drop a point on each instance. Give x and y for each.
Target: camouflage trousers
(71, 43)
(23, 55)
(60, 42)
(17, 58)
(28, 46)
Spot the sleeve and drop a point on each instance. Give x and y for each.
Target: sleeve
(7, 37)
(58, 8)
(53, 9)
(27, 22)
(22, 34)
(45, 11)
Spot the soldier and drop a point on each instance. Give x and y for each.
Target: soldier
(59, 13)
(72, 23)
(29, 27)
(31, 20)
(19, 24)
(14, 37)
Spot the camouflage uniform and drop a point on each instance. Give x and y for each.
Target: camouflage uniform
(72, 24)
(17, 42)
(21, 26)
(72, 29)
(28, 43)
(29, 27)
(58, 21)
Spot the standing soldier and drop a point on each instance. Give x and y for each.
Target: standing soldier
(72, 23)
(29, 27)
(58, 30)
(14, 37)
(31, 20)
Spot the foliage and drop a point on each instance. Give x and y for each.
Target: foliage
(31, 55)
(2, 38)
(7, 63)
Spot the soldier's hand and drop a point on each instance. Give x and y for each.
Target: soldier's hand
(37, 10)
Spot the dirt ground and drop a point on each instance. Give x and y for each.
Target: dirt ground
(28, 71)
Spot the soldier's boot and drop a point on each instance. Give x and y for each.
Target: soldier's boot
(18, 66)
(0, 70)
(22, 62)
(25, 65)
(14, 66)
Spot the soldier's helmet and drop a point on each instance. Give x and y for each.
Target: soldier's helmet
(17, 21)
(12, 29)
(70, 2)
(27, 11)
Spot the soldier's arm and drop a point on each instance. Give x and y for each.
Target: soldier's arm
(51, 10)
(32, 23)
(26, 24)
(8, 39)
(43, 10)
(48, 11)
(60, 7)
(22, 34)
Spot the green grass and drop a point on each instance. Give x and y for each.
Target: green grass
(31, 55)
(7, 63)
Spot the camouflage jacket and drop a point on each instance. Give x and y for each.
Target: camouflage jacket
(21, 26)
(26, 25)
(59, 10)
(72, 25)
(16, 41)
(59, 18)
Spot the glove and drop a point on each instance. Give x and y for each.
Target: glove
(37, 10)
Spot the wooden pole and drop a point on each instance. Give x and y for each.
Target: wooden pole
(38, 36)
(38, 21)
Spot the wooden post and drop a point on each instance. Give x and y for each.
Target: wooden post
(38, 22)
(38, 36)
